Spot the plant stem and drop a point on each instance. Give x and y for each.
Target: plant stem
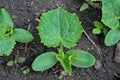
(61, 53)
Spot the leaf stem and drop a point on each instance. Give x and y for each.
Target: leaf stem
(61, 52)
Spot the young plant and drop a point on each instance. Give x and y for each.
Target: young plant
(99, 28)
(26, 71)
(84, 7)
(61, 28)
(10, 63)
(111, 18)
(9, 36)
(18, 59)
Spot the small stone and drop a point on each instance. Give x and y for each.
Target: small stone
(37, 14)
(28, 20)
(64, 73)
(14, 16)
(97, 65)
(117, 53)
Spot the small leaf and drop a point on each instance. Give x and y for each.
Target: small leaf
(111, 13)
(44, 62)
(96, 31)
(112, 37)
(81, 58)
(21, 59)
(6, 45)
(10, 63)
(66, 62)
(98, 24)
(26, 71)
(5, 18)
(59, 26)
(22, 35)
(84, 7)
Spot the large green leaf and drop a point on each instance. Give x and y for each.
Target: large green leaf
(65, 62)
(6, 45)
(22, 35)
(44, 62)
(111, 13)
(82, 58)
(5, 18)
(59, 26)
(112, 37)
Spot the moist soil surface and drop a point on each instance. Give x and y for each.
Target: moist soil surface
(25, 13)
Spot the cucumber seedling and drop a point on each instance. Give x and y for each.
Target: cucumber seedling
(111, 18)
(9, 36)
(99, 28)
(16, 61)
(60, 28)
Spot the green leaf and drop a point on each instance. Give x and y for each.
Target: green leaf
(84, 7)
(105, 31)
(98, 24)
(21, 59)
(10, 63)
(6, 45)
(5, 18)
(44, 62)
(112, 37)
(81, 58)
(5, 31)
(96, 31)
(26, 71)
(111, 13)
(59, 26)
(22, 35)
(2, 30)
(65, 62)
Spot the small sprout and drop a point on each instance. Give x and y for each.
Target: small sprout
(99, 28)
(16, 61)
(84, 7)
(10, 63)
(26, 71)
(21, 59)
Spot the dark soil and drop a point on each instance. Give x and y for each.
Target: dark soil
(24, 14)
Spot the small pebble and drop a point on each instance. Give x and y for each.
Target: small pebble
(64, 73)
(14, 16)
(97, 65)
(117, 53)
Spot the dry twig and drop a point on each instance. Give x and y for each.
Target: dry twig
(98, 49)
(28, 28)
